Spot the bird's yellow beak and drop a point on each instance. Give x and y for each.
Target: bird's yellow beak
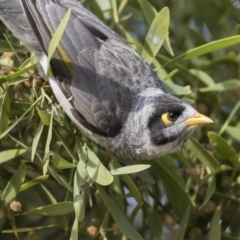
(198, 119)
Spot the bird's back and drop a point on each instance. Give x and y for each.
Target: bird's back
(92, 64)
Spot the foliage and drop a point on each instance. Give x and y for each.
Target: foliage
(52, 177)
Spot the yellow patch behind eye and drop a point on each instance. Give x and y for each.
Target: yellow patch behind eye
(165, 119)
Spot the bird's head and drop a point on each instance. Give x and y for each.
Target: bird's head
(172, 122)
(164, 123)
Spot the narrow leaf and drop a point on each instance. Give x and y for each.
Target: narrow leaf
(148, 10)
(173, 184)
(44, 116)
(223, 150)
(10, 154)
(3, 134)
(59, 179)
(60, 162)
(28, 229)
(184, 224)
(234, 132)
(80, 179)
(228, 85)
(210, 190)
(36, 139)
(156, 35)
(4, 111)
(33, 182)
(174, 89)
(128, 230)
(13, 186)
(215, 226)
(16, 74)
(74, 231)
(202, 154)
(5, 47)
(52, 209)
(207, 48)
(56, 38)
(96, 169)
(130, 169)
(115, 13)
(230, 117)
(154, 220)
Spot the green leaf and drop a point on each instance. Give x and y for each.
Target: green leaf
(52, 209)
(57, 36)
(65, 145)
(28, 229)
(206, 48)
(228, 85)
(156, 35)
(96, 169)
(13, 186)
(49, 136)
(4, 111)
(80, 178)
(183, 225)
(222, 168)
(59, 179)
(133, 189)
(223, 150)
(16, 74)
(127, 229)
(202, 154)
(74, 231)
(174, 89)
(59, 162)
(44, 116)
(49, 198)
(234, 132)
(144, 175)
(5, 47)
(3, 134)
(130, 169)
(33, 182)
(148, 10)
(173, 184)
(230, 117)
(150, 13)
(202, 76)
(154, 220)
(10, 154)
(210, 190)
(36, 139)
(115, 12)
(167, 45)
(215, 226)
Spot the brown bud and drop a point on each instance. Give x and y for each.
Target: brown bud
(32, 235)
(116, 230)
(195, 173)
(15, 206)
(95, 222)
(92, 232)
(209, 207)
(37, 82)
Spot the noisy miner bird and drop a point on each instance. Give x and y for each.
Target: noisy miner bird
(117, 100)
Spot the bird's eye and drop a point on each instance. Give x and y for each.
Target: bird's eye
(172, 116)
(169, 117)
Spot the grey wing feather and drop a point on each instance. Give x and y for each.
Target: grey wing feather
(103, 75)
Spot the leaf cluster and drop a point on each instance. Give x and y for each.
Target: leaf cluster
(55, 184)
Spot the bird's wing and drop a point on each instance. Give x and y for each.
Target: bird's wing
(92, 64)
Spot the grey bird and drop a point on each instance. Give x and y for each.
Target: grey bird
(117, 100)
